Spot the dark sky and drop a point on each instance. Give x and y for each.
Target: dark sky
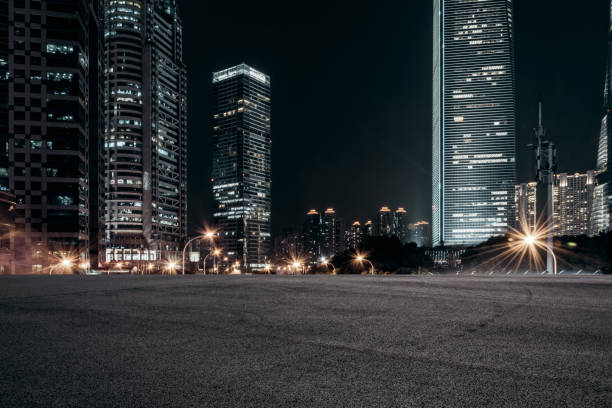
(351, 95)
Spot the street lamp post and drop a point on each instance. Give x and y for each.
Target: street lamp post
(326, 262)
(530, 240)
(361, 259)
(209, 235)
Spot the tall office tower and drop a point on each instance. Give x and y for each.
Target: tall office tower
(354, 235)
(525, 212)
(474, 150)
(602, 203)
(145, 137)
(242, 164)
(7, 229)
(311, 233)
(368, 229)
(332, 233)
(400, 225)
(50, 84)
(384, 222)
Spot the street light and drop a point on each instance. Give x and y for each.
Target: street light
(296, 265)
(361, 259)
(268, 267)
(326, 262)
(214, 253)
(208, 235)
(532, 242)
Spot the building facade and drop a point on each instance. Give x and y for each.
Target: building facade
(474, 113)
(50, 83)
(602, 203)
(385, 225)
(354, 235)
(242, 164)
(420, 233)
(145, 139)
(401, 225)
(573, 196)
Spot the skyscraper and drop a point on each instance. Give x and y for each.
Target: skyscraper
(242, 164)
(602, 202)
(146, 131)
(50, 90)
(384, 222)
(312, 236)
(332, 233)
(474, 149)
(400, 225)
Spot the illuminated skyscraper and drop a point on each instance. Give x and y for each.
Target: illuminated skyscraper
(50, 129)
(400, 225)
(146, 131)
(242, 164)
(384, 222)
(602, 203)
(473, 120)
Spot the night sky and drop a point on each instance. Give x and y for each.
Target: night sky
(351, 96)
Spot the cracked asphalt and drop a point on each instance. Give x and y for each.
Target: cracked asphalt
(303, 341)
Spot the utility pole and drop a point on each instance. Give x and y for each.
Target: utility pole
(546, 157)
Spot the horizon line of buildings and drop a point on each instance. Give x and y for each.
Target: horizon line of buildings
(325, 234)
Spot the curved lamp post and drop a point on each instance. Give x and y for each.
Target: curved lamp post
(327, 263)
(208, 235)
(361, 259)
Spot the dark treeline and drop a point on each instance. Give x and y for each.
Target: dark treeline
(387, 254)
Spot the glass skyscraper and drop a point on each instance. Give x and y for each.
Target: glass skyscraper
(602, 202)
(145, 131)
(241, 171)
(474, 147)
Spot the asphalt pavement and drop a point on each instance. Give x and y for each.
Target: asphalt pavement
(305, 341)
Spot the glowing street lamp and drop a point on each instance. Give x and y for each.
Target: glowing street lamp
(210, 235)
(531, 241)
(327, 262)
(171, 267)
(215, 253)
(268, 268)
(361, 259)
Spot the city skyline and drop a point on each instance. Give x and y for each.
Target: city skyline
(337, 162)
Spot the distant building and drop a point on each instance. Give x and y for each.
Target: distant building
(385, 222)
(525, 214)
(420, 233)
(311, 235)
(332, 234)
(573, 196)
(241, 170)
(289, 245)
(368, 229)
(401, 225)
(354, 235)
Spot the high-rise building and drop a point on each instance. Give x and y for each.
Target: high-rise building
(50, 90)
(400, 225)
(474, 150)
(242, 164)
(354, 235)
(526, 215)
(385, 222)
(7, 230)
(332, 233)
(420, 233)
(145, 138)
(573, 196)
(602, 202)
(368, 229)
(311, 234)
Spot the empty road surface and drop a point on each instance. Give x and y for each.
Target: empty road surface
(305, 341)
